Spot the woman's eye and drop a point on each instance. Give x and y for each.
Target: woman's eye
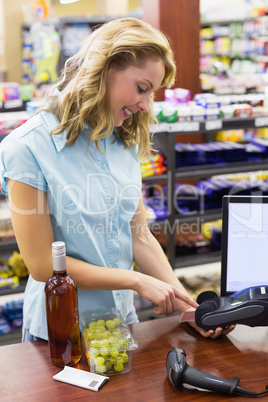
(140, 90)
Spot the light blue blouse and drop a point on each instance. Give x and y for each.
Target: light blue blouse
(92, 197)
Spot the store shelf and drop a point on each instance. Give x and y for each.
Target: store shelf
(197, 259)
(7, 248)
(209, 170)
(211, 125)
(11, 337)
(170, 133)
(208, 215)
(19, 289)
(155, 178)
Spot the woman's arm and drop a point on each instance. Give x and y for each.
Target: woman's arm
(34, 234)
(149, 255)
(150, 258)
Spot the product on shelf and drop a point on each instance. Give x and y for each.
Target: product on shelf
(11, 271)
(177, 95)
(18, 265)
(198, 283)
(220, 152)
(153, 164)
(45, 52)
(208, 106)
(185, 244)
(11, 316)
(234, 55)
(10, 121)
(13, 96)
(213, 232)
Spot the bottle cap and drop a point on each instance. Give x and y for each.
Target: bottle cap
(58, 248)
(59, 256)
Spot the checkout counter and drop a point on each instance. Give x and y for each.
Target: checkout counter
(26, 369)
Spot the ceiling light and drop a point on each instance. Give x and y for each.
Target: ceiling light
(67, 1)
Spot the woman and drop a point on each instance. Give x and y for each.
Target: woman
(72, 174)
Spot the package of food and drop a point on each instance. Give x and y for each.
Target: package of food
(107, 341)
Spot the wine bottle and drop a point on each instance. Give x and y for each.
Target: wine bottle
(62, 312)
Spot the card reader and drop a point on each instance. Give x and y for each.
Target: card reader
(248, 306)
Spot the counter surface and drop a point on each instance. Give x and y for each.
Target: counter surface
(26, 370)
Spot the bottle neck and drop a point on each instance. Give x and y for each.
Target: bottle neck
(59, 263)
(60, 274)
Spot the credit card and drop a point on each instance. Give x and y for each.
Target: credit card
(187, 316)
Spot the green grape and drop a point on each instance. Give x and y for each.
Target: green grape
(117, 321)
(104, 351)
(92, 325)
(95, 343)
(100, 329)
(106, 341)
(110, 324)
(112, 359)
(117, 333)
(106, 334)
(100, 323)
(119, 360)
(118, 367)
(123, 343)
(98, 336)
(101, 369)
(114, 353)
(99, 361)
(125, 357)
(112, 340)
(108, 364)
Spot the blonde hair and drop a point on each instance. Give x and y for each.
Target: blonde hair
(83, 83)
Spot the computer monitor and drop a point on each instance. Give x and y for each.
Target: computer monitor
(244, 242)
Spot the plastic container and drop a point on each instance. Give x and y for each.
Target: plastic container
(107, 341)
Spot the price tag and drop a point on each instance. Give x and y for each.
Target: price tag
(261, 121)
(213, 125)
(159, 128)
(175, 127)
(184, 126)
(12, 103)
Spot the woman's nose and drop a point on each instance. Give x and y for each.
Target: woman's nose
(144, 105)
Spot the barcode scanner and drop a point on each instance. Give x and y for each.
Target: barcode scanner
(180, 374)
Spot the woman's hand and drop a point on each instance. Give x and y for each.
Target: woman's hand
(166, 296)
(213, 334)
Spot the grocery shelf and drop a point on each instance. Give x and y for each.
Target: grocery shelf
(169, 134)
(227, 22)
(19, 289)
(215, 169)
(155, 178)
(207, 215)
(197, 259)
(7, 248)
(211, 125)
(10, 337)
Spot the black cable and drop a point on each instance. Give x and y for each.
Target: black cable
(243, 391)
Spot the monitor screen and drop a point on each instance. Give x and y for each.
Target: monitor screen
(244, 243)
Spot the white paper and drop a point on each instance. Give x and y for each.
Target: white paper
(81, 378)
